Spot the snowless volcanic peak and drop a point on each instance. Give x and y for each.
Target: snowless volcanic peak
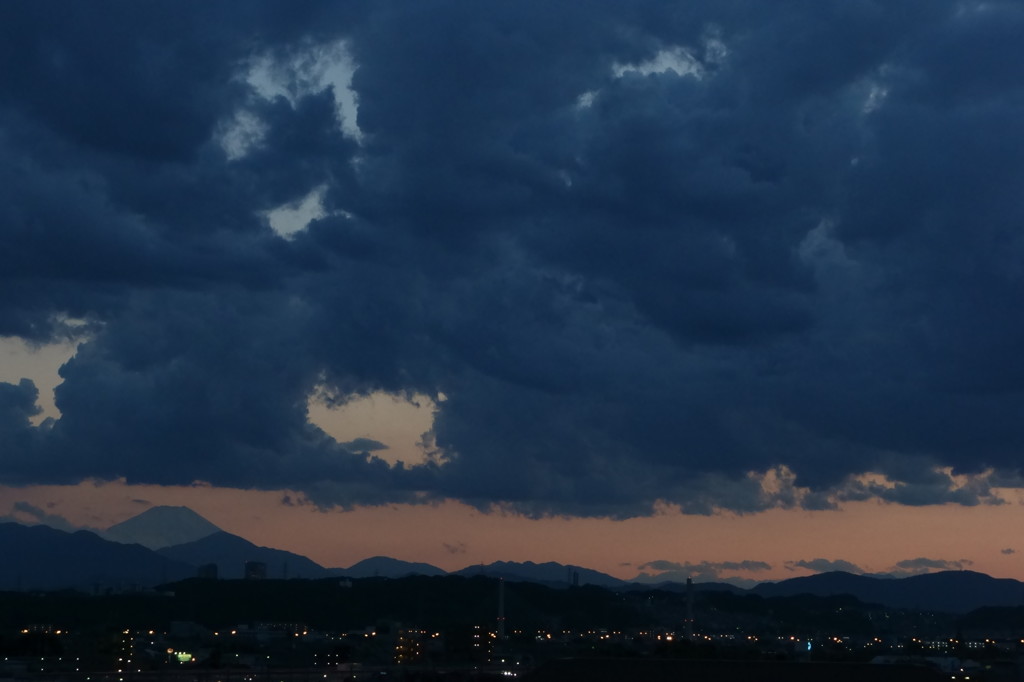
(160, 527)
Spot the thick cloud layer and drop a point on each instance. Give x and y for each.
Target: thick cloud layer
(724, 255)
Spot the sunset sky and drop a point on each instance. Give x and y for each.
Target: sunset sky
(723, 288)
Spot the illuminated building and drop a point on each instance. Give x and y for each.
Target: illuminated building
(409, 647)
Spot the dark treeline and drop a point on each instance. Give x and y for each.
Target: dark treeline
(329, 604)
(452, 601)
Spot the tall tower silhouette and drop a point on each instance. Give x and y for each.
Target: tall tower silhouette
(501, 609)
(689, 608)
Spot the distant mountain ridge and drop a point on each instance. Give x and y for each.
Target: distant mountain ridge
(43, 558)
(231, 552)
(548, 573)
(39, 557)
(386, 567)
(949, 591)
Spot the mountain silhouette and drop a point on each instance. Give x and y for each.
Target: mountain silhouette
(548, 573)
(386, 567)
(230, 553)
(160, 527)
(949, 591)
(43, 558)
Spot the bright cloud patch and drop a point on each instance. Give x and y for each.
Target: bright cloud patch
(290, 218)
(676, 60)
(390, 427)
(307, 70)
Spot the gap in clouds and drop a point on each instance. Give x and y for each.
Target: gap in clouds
(400, 424)
(39, 363)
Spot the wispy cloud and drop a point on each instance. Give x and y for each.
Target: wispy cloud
(825, 565)
(920, 565)
(662, 570)
(26, 513)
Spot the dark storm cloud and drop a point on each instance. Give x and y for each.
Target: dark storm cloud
(19, 440)
(716, 254)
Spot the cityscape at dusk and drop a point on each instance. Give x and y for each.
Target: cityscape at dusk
(712, 289)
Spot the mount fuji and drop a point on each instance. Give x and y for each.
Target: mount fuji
(160, 527)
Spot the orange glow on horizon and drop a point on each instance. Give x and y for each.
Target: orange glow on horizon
(451, 535)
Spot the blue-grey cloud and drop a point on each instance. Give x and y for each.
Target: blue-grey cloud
(825, 565)
(662, 570)
(687, 249)
(921, 565)
(363, 445)
(745, 565)
(29, 514)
